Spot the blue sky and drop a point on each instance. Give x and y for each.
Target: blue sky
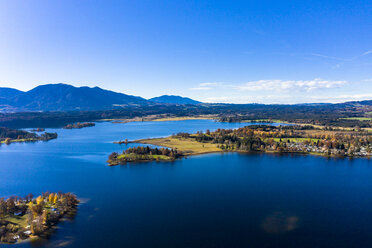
(213, 51)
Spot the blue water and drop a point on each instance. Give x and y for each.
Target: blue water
(215, 200)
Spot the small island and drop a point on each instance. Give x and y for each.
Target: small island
(28, 217)
(143, 154)
(8, 135)
(305, 139)
(79, 125)
(39, 129)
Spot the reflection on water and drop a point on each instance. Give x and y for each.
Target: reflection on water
(279, 222)
(65, 242)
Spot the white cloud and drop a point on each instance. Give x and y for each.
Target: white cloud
(285, 85)
(345, 97)
(210, 84)
(285, 91)
(248, 99)
(288, 99)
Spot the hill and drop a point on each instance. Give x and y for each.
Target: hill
(173, 100)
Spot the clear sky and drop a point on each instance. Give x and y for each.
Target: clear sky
(214, 51)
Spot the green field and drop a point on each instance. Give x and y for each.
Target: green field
(185, 145)
(18, 220)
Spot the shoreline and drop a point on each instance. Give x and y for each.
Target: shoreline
(216, 118)
(160, 118)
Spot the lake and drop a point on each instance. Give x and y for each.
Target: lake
(214, 200)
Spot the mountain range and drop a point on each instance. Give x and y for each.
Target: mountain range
(63, 97)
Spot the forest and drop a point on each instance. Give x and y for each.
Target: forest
(342, 114)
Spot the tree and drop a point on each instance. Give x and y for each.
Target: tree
(3, 208)
(39, 200)
(10, 205)
(51, 198)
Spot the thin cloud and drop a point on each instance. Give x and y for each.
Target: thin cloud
(341, 59)
(285, 85)
(201, 88)
(207, 86)
(329, 57)
(367, 80)
(366, 53)
(211, 84)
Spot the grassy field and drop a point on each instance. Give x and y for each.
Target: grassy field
(184, 145)
(20, 140)
(19, 220)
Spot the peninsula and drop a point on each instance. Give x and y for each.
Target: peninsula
(305, 139)
(8, 135)
(28, 217)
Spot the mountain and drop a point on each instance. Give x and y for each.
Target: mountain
(173, 100)
(7, 93)
(63, 97)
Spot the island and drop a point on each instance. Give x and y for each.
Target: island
(305, 139)
(8, 135)
(79, 125)
(143, 154)
(27, 217)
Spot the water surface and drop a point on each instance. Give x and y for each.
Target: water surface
(214, 200)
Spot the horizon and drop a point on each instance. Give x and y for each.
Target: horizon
(299, 103)
(243, 52)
